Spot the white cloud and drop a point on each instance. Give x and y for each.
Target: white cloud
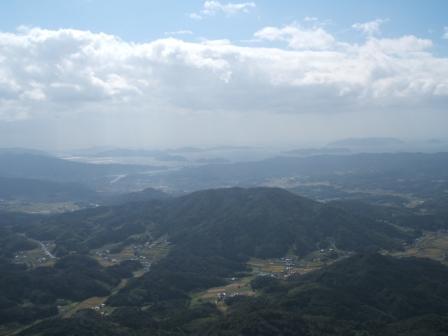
(214, 7)
(297, 37)
(402, 45)
(179, 32)
(445, 33)
(194, 16)
(370, 28)
(211, 8)
(310, 19)
(72, 72)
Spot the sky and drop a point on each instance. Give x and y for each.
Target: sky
(152, 74)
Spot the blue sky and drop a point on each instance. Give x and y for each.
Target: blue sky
(167, 73)
(143, 20)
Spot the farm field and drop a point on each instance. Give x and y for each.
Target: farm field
(432, 245)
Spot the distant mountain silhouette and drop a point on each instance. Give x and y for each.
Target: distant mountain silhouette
(366, 142)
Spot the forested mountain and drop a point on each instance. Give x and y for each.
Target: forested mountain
(146, 195)
(234, 222)
(266, 222)
(363, 295)
(24, 189)
(210, 237)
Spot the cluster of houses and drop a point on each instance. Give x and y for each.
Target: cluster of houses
(144, 261)
(105, 255)
(223, 296)
(289, 263)
(289, 269)
(34, 258)
(137, 255)
(100, 309)
(328, 254)
(19, 256)
(292, 265)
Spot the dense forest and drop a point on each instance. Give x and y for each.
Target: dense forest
(212, 235)
(367, 294)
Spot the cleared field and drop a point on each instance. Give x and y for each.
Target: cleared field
(283, 268)
(237, 287)
(266, 265)
(279, 268)
(89, 303)
(36, 257)
(433, 245)
(96, 301)
(146, 253)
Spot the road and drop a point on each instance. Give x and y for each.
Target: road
(46, 251)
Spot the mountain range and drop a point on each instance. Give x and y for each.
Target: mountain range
(149, 259)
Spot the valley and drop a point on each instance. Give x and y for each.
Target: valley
(191, 262)
(278, 268)
(432, 245)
